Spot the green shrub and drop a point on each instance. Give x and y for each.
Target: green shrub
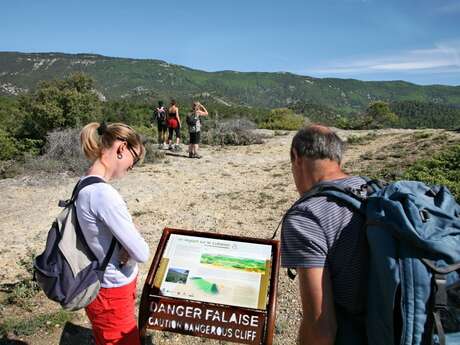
(8, 146)
(422, 135)
(148, 133)
(283, 118)
(11, 116)
(443, 169)
(361, 139)
(128, 111)
(31, 147)
(12, 148)
(22, 291)
(343, 123)
(355, 139)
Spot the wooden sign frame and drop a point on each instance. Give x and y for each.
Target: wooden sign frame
(217, 321)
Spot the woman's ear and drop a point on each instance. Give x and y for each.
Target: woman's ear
(121, 148)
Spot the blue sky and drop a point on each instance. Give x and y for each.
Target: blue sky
(413, 40)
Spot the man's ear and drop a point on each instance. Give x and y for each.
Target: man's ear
(294, 157)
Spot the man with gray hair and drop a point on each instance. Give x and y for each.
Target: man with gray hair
(324, 241)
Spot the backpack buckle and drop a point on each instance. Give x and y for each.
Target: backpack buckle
(64, 203)
(424, 215)
(440, 296)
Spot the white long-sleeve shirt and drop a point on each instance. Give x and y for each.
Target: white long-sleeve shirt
(102, 214)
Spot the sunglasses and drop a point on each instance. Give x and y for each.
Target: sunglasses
(131, 150)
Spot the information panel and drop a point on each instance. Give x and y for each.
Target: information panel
(213, 270)
(212, 285)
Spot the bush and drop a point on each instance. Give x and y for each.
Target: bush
(62, 152)
(128, 111)
(230, 132)
(148, 134)
(283, 118)
(361, 139)
(8, 148)
(441, 169)
(11, 116)
(21, 292)
(152, 154)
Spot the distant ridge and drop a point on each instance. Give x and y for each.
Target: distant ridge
(125, 77)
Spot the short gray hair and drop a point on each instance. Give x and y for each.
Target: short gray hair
(317, 142)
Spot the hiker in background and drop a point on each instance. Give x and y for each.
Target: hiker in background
(194, 128)
(114, 150)
(160, 117)
(174, 126)
(323, 240)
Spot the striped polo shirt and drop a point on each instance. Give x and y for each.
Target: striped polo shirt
(323, 232)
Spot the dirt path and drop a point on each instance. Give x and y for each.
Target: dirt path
(232, 190)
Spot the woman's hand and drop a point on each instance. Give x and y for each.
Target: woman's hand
(123, 256)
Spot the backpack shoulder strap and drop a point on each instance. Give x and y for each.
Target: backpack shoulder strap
(439, 294)
(80, 185)
(352, 197)
(109, 254)
(85, 183)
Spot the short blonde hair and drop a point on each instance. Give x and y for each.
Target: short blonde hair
(95, 137)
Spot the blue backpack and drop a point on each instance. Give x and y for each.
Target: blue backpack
(67, 271)
(413, 292)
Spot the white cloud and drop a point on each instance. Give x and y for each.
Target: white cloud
(443, 57)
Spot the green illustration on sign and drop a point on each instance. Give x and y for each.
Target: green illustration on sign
(205, 286)
(223, 261)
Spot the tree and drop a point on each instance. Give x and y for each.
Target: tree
(379, 115)
(60, 104)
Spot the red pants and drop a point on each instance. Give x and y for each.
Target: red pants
(112, 316)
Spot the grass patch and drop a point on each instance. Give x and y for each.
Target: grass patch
(264, 197)
(422, 135)
(441, 169)
(361, 139)
(279, 133)
(282, 201)
(30, 326)
(366, 156)
(21, 292)
(433, 160)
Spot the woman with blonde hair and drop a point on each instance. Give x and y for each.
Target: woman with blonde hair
(194, 128)
(104, 220)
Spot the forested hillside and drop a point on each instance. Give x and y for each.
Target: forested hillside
(121, 78)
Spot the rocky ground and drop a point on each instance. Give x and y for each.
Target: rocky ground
(232, 190)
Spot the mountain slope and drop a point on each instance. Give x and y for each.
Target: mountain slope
(121, 77)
